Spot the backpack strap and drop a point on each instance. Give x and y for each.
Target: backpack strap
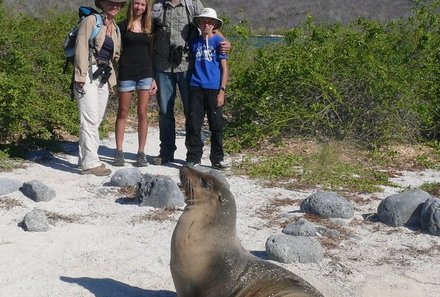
(97, 27)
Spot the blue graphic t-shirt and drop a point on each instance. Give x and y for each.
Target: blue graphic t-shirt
(207, 71)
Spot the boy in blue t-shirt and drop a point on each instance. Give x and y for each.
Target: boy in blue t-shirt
(207, 90)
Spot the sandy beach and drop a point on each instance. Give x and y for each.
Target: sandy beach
(103, 244)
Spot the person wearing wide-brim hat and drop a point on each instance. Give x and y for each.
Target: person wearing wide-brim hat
(173, 66)
(207, 90)
(94, 79)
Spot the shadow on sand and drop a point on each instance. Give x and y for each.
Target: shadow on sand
(107, 287)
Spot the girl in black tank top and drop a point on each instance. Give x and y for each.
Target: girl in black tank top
(135, 73)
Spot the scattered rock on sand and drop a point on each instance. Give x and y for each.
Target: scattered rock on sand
(403, 209)
(38, 191)
(159, 191)
(8, 185)
(288, 249)
(36, 221)
(328, 205)
(302, 227)
(430, 216)
(126, 177)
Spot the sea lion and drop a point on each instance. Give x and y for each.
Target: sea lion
(207, 258)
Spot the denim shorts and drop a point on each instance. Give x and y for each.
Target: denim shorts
(131, 85)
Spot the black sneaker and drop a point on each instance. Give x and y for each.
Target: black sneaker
(159, 160)
(119, 159)
(141, 160)
(219, 166)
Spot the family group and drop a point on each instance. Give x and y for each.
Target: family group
(159, 47)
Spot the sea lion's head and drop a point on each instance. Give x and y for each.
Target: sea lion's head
(206, 194)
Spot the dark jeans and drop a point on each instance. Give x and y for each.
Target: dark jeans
(203, 101)
(167, 83)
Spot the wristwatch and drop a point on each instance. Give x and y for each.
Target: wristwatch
(223, 89)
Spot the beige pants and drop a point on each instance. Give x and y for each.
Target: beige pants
(91, 107)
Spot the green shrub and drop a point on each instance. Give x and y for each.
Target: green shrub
(34, 93)
(366, 81)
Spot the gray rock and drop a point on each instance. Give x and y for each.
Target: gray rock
(302, 227)
(403, 209)
(126, 177)
(328, 205)
(430, 216)
(338, 222)
(355, 236)
(8, 185)
(214, 172)
(36, 221)
(288, 249)
(328, 232)
(37, 191)
(159, 191)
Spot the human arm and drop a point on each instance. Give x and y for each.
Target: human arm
(225, 45)
(223, 83)
(153, 88)
(82, 58)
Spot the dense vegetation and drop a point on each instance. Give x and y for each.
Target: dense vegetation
(34, 104)
(369, 82)
(365, 81)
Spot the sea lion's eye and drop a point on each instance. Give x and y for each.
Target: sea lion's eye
(205, 183)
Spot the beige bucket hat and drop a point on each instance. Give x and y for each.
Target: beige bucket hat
(98, 2)
(211, 14)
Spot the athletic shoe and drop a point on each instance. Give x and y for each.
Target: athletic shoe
(119, 159)
(141, 160)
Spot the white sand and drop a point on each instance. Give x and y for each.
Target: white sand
(102, 247)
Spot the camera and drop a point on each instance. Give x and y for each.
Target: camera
(176, 53)
(104, 70)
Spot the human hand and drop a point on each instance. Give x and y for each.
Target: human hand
(225, 46)
(220, 99)
(153, 88)
(79, 87)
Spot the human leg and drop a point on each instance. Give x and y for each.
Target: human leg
(124, 99)
(143, 98)
(91, 107)
(196, 114)
(183, 80)
(216, 126)
(167, 124)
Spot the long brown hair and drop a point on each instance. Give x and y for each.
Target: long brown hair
(146, 20)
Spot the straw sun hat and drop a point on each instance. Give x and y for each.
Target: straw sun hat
(211, 14)
(98, 2)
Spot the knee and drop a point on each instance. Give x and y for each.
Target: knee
(122, 113)
(142, 115)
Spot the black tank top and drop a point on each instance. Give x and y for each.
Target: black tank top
(135, 62)
(106, 51)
